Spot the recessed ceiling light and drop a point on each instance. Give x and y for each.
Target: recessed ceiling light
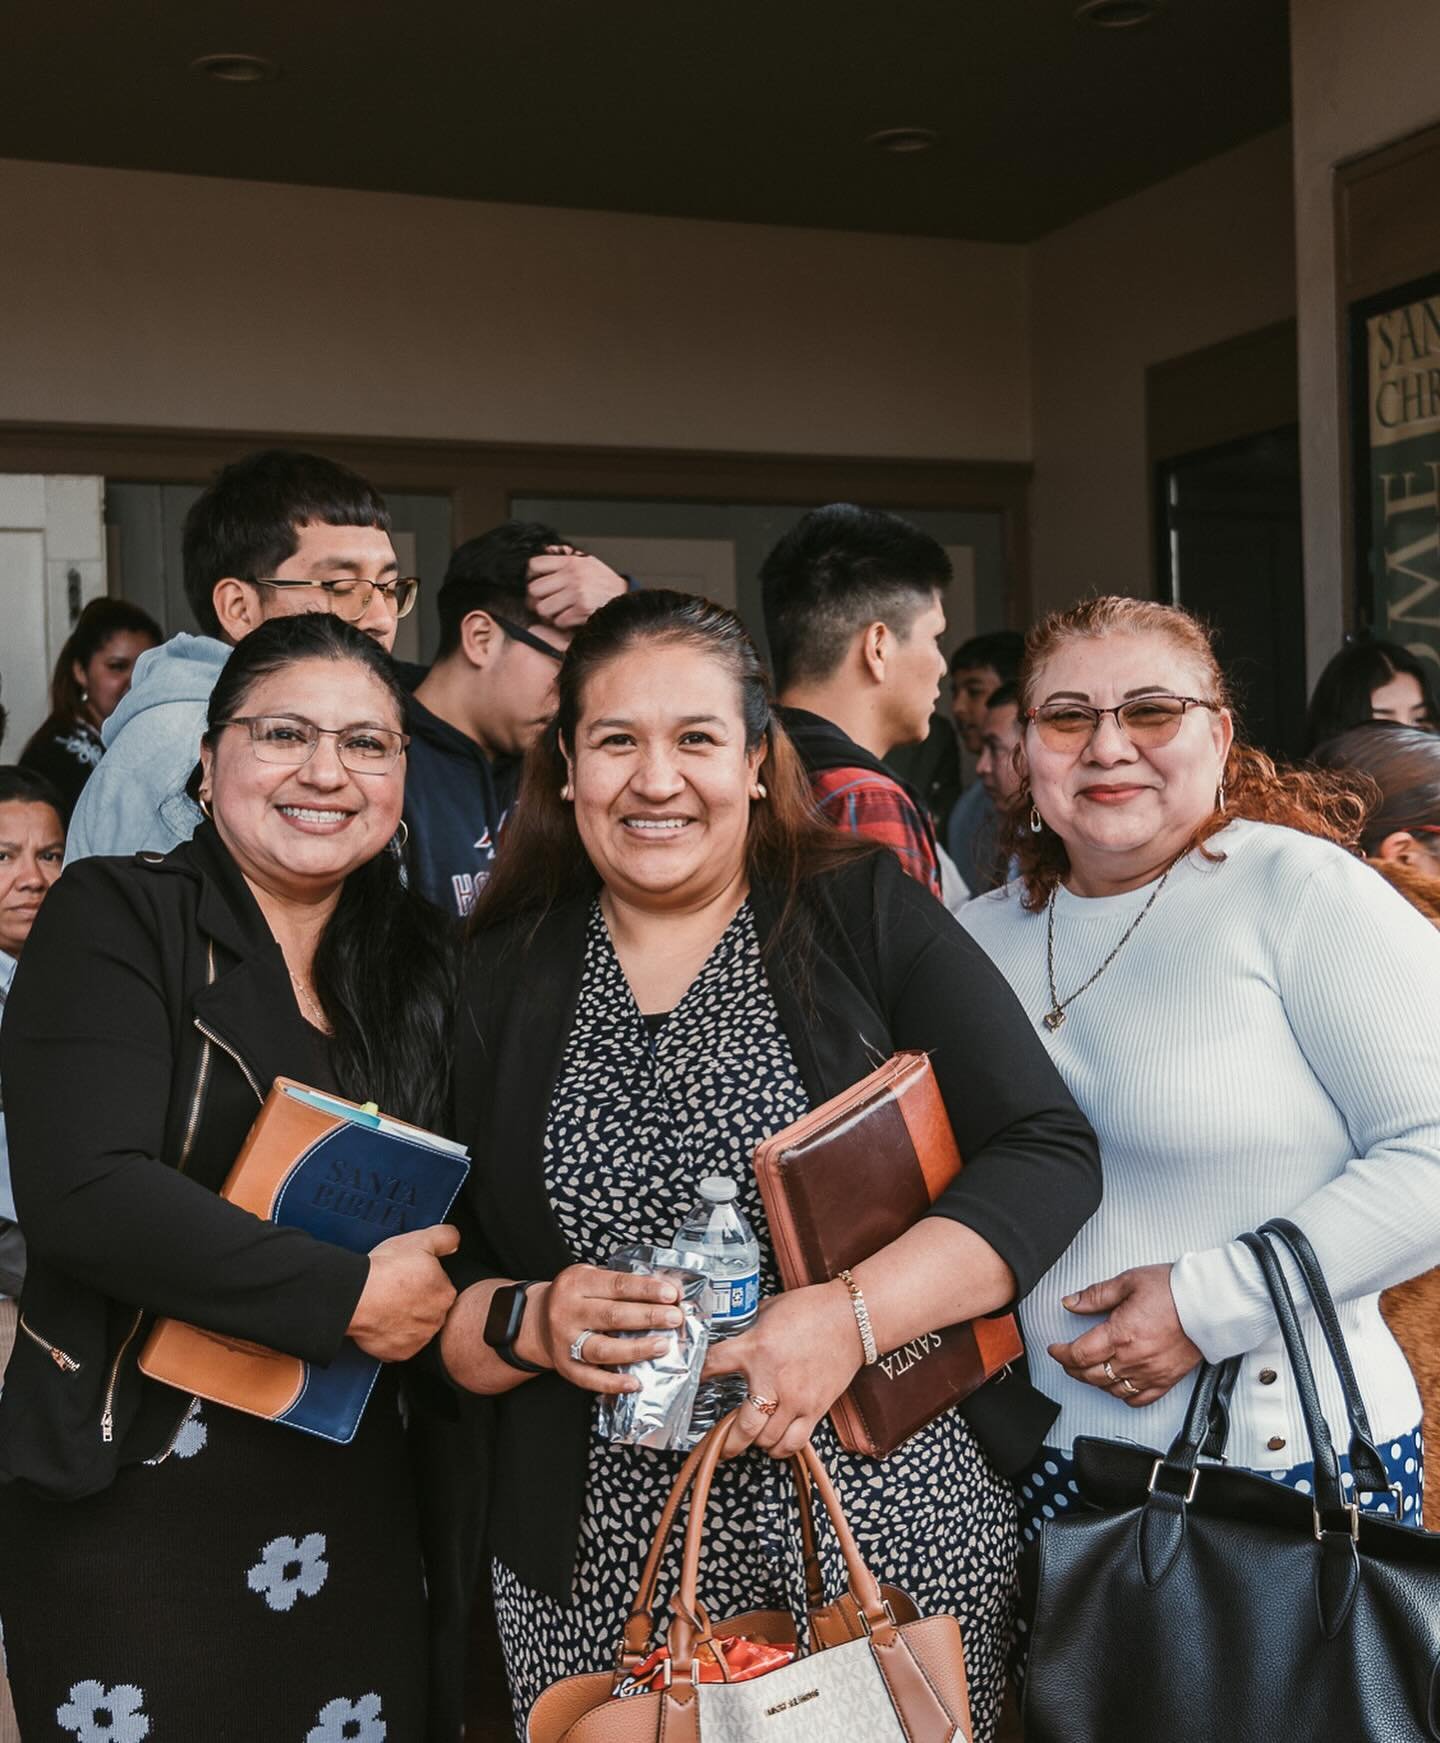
(1116, 14)
(903, 140)
(235, 69)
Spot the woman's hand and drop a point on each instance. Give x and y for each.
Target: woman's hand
(1142, 1342)
(801, 1354)
(406, 1296)
(585, 1298)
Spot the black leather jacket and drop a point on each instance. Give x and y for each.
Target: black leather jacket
(151, 1011)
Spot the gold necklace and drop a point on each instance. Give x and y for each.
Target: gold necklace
(309, 1003)
(1055, 1016)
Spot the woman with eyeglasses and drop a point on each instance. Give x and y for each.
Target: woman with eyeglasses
(1245, 1012)
(173, 1568)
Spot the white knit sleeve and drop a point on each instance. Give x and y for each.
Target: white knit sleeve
(1358, 971)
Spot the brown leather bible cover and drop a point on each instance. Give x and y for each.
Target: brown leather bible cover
(843, 1182)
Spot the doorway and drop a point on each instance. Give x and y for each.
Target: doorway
(1229, 525)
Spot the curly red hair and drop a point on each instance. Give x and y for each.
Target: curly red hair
(1329, 804)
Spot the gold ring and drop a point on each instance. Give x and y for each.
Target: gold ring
(766, 1406)
(1130, 1387)
(1110, 1373)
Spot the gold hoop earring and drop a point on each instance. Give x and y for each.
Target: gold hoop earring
(1037, 822)
(204, 803)
(400, 840)
(567, 794)
(1220, 796)
(761, 791)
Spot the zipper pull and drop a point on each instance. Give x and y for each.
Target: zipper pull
(107, 1427)
(66, 1364)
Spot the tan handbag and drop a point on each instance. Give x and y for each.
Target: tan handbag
(874, 1672)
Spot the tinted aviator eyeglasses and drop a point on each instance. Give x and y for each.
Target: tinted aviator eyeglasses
(350, 597)
(1147, 721)
(290, 738)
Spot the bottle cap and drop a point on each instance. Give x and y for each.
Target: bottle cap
(716, 1189)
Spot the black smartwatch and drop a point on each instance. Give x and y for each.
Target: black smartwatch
(503, 1322)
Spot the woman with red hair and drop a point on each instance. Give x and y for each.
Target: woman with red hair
(1245, 1012)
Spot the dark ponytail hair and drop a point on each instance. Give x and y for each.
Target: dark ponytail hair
(98, 623)
(1404, 764)
(384, 965)
(543, 860)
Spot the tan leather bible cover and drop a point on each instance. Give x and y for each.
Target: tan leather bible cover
(843, 1182)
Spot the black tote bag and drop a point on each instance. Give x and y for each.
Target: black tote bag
(1194, 1602)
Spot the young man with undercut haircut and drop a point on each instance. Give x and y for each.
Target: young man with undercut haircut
(509, 604)
(854, 613)
(278, 532)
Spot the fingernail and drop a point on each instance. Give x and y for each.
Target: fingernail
(671, 1293)
(674, 1318)
(1069, 1300)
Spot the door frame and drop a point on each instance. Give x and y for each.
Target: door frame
(482, 478)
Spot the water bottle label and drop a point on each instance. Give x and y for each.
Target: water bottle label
(735, 1298)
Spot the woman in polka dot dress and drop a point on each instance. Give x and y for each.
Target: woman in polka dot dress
(674, 961)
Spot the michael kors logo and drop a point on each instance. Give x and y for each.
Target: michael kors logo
(794, 1701)
(901, 1361)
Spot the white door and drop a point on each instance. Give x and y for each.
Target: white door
(703, 566)
(52, 563)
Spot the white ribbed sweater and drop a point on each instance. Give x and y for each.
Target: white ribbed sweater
(1265, 1044)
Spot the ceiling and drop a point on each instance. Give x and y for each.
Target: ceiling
(747, 109)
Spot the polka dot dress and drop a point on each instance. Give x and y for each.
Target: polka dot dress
(635, 1124)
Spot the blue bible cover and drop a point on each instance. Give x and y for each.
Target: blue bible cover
(347, 1175)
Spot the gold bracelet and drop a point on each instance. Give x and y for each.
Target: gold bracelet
(862, 1317)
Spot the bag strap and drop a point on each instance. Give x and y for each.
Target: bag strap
(1328, 1498)
(690, 1626)
(1366, 1465)
(640, 1622)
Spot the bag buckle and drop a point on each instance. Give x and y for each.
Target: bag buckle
(1353, 1512)
(1155, 1471)
(889, 1615)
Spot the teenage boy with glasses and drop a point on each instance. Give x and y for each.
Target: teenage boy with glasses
(278, 532)
(509, 603)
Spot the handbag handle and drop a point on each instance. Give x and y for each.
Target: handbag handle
(1328, 1498)
(689, 1626)
(640, 1622)
(1366, 1465)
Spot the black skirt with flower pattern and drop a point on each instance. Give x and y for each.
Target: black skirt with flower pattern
(255, 1583)
(637, 1119)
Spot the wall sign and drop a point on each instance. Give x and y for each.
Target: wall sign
(1395, 359)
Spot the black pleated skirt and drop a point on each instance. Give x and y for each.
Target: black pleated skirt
(258, 1583)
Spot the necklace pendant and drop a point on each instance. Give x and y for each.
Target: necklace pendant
(1053, 1019)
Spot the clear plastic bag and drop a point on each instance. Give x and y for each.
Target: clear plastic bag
(657, 1415)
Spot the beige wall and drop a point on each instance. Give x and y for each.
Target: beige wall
(134, 298)
(1200, 258)
(1362, 75)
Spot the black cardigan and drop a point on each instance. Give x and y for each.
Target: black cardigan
(104, 1064)
(887, 969)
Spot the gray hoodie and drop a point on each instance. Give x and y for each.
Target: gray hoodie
(135, 801)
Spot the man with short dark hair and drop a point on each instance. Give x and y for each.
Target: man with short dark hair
(509, 604)
(278, 532)
(978, 668)
(854, 614)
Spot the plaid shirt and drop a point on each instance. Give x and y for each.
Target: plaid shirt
(867, 803)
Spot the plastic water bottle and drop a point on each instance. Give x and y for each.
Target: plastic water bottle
(717, 1233)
